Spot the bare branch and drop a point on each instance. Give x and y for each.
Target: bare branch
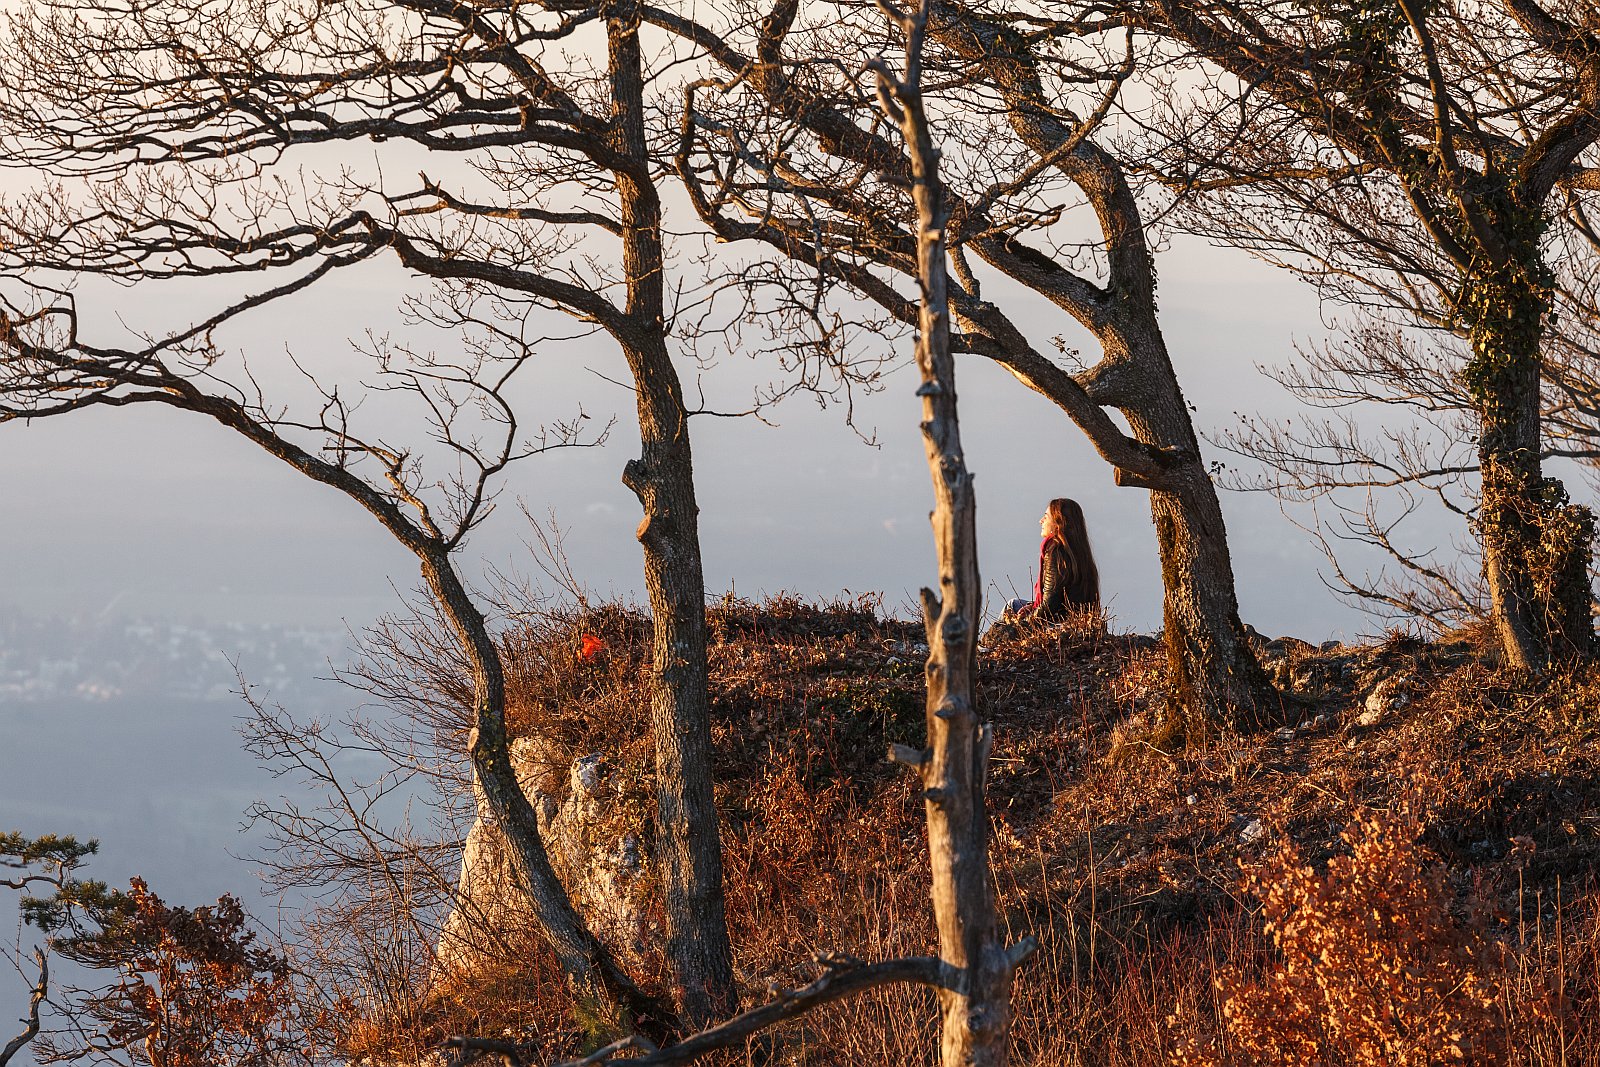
(841, 979)
(36, 997)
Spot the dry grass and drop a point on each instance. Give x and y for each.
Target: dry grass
(1125, 861)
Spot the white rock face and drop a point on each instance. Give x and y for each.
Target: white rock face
(1390, 694)
(594, 846)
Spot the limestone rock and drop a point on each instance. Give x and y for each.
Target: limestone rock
(592, 834)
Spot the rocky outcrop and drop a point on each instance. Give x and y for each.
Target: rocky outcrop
(591, 822)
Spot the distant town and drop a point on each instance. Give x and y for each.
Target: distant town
(111, 659)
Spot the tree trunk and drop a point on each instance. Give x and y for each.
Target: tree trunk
(1536, 545)
(976, 1003)
(688, 846)
(975, 997)
(1216, 677)
(607, 999)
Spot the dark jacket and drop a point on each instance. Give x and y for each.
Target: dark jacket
(1063, 585)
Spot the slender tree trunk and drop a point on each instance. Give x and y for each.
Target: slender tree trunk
(688, 844)
(1216, 677)
(607, 998)
(1536, 545)
(976, 1003)
(976, 996)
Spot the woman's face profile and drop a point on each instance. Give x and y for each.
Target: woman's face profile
(1047, 525)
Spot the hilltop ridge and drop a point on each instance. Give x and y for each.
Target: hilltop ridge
(1122, 853)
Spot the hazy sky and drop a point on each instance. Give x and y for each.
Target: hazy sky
(161, 512)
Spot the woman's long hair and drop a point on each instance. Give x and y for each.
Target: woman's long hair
(1083, 583)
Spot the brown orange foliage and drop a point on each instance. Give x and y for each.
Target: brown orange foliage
(192, 986)
(1371, 969)
(1119, 856)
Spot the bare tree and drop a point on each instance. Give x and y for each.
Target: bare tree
(1370, 487)
(176, 132)
(48, 371)
(954, 767)
(786, 149)
(1421, 152)
(973, 971)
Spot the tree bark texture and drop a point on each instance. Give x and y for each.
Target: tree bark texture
(1215, 675)
(1536, 545)
(688, 843)
(976, 997)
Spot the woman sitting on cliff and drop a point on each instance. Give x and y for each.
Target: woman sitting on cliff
(1068, 579)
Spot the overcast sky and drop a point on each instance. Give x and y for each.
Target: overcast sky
(163, 513)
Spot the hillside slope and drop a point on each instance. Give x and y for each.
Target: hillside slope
(1124, 855)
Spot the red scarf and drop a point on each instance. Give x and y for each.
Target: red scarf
(1044, 559)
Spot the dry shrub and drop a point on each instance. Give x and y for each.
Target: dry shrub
(1081, 634)
(515, 992)
(1557, 965)
(1371, 969)
(784, 615)
(579, 702)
